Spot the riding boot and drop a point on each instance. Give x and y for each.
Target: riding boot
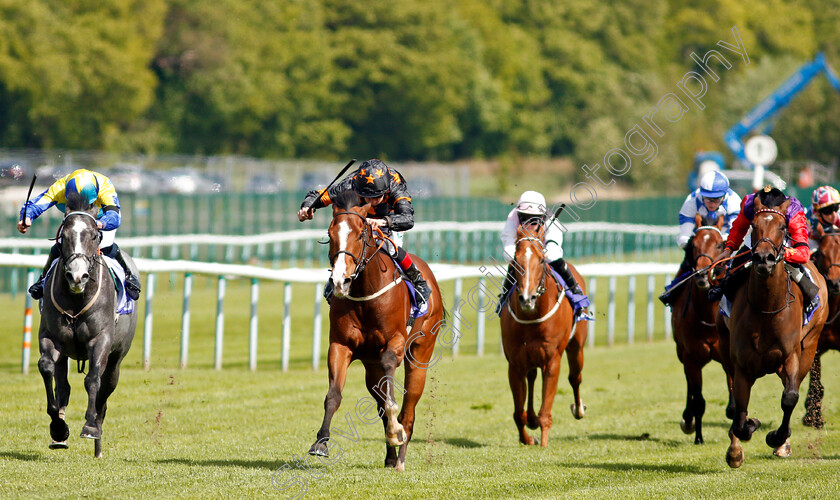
(132, 283)
(670, 292)
(37, 288)
(420, 285)
(810, 291)
(509, 283)
(563, 270)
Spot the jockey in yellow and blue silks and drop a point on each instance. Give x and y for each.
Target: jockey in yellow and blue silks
(98, 191)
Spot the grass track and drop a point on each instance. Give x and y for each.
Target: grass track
(222, 434)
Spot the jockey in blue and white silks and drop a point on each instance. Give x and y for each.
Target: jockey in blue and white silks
(97, 190)
(711, 200)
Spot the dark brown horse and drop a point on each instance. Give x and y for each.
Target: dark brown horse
(693, 322)
(764, 333)
(827, 260)
(369, 312)
(537, 326)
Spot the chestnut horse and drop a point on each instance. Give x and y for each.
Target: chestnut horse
(537, 326)
(764, 333)
(827, 260)
(369, 312)
(693, 323)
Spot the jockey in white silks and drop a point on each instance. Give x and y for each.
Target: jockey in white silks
(531, 207)
(711, 200)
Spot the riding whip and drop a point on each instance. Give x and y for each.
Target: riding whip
(351, 162)
(31, 185)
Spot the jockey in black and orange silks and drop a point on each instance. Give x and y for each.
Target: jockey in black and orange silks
(797, 254)
(385, 190)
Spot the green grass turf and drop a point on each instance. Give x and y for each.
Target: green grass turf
(223, 434)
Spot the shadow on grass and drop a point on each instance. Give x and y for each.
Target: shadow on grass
(249, 464)
(463, 443)
(621, 467)
(639, 437)
(27, 457)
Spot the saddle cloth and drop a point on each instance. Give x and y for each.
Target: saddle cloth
(726, 306)
(579, 302)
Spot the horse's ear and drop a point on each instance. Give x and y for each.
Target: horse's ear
(719, 223)
(698, 220)
(784, 206)
(819, 231)
(757, 202)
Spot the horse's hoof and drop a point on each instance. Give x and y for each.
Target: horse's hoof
(59, 445)
(699, 440)
(89, 432)
(578, 411)
(319, 449)
(735, 457)
(775, 439)
(783, 450)
(59, 431)
(400, 466)
(396, 439)
(687, 427)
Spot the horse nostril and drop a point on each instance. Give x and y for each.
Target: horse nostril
(69, 276)
(85, 276)
(347, 281)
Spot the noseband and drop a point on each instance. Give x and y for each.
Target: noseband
(362, 261)
(89, 259)
(777, 249)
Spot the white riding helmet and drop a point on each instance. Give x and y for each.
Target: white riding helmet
(531, 202)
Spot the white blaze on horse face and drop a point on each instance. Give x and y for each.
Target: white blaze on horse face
(340, 268)
(528, 254)
(77, 267)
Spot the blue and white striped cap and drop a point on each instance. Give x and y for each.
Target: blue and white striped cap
(714, 184)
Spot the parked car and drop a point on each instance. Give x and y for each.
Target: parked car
(263, 183)
(127, 178)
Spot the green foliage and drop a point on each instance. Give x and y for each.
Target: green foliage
(401, 80)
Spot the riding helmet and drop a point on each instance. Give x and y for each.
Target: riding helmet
(825, 196)
(84, 184)
(531, 202)
(714, 184)
(372, 179)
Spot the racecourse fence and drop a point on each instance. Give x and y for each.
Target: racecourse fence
(482, 298)
(450, 242)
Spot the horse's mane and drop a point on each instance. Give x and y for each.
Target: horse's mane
(708, 221)
(771, 197)
(346, 199)
(75, 202)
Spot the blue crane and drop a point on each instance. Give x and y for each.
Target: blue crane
(775, 102)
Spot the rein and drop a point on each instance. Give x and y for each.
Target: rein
(540, 289)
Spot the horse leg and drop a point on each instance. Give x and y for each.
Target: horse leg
(695, 405)
(109, 382)
(518, 388)
(742, 427)
(728, 368)
(779, 439)
(394, 431)
(415, 382)
(59, 432)
(374, 375)
(533, 422)
(574, 355)
(338, 359)
(550, 374)
(813, 401)
(98, 354)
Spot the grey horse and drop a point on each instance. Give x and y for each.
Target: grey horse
(78, 321)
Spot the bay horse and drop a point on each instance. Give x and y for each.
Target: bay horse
(827, 260)
(693, 323)
(764, 333)
(78, 321)
(368, 321)
(537, 327)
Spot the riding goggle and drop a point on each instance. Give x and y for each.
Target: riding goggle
(527, 219)
(829, 209)
(719, 199)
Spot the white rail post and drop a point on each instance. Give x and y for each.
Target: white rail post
(287, 325)
(651, 284)
(147, 322)
(480, 317)
(456, 315)
(185, 321)
(631, 309)
(316, 329)
(220, 322)
(252, 344)
(27, 324)
(611, 314)
(593, 286)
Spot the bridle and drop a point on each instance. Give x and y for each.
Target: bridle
(699, 256)
(777, 249)
(89, 259)
(362, 261)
